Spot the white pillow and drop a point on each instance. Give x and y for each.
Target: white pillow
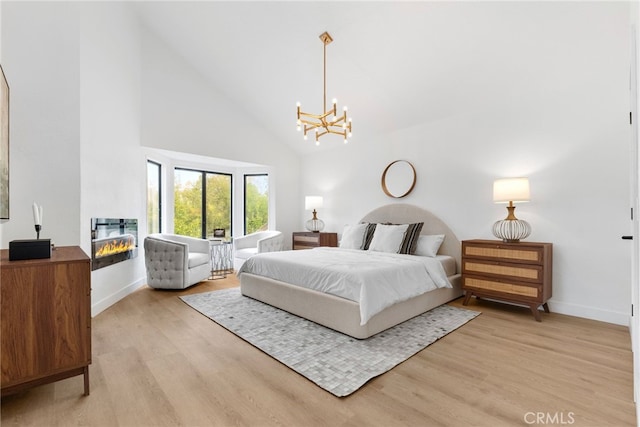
(388, 238)
(352, 236)
(428, 245)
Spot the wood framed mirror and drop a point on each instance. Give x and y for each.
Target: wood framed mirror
(398, 179)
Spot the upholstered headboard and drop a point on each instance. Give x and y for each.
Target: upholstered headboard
(402, 213)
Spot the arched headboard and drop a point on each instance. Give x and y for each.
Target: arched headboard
(403, 213)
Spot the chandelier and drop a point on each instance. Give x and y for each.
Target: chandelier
(329, 121)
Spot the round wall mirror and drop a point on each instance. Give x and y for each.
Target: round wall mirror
(398, 179)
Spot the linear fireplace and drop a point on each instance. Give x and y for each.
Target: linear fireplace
(113, 240)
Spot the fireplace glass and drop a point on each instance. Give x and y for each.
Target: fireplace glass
(113, 240)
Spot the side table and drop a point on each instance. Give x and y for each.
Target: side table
(221, 253)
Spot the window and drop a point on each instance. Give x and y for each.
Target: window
(154, 197)
(202, 202)
(218, 203)
(256, 203)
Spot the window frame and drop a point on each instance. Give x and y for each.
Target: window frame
(203, 198)
(160, 198)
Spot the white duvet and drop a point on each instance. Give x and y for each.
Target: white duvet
(375, 280)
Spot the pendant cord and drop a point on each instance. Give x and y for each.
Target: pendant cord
(324, 76)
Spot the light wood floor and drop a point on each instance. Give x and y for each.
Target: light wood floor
(157, 362)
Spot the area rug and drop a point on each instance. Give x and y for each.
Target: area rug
(334, 361)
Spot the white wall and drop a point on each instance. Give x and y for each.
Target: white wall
(75, 117)
(183, 111)
(113, 167)
(40, 58)
(566, 128)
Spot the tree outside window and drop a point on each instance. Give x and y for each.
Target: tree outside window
(202, 202)
(256, 203)
(154, 197)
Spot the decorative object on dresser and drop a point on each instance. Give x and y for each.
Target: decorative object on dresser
(37, 218)
(45, 319)
(509, 190)
(322, 124)
(311, 203)
(304, 240)
(398, 179)
(514, 272)
(31, 249)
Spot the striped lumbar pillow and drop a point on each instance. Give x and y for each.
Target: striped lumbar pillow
(410, 239)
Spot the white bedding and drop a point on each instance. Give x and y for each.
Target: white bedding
(376, 280)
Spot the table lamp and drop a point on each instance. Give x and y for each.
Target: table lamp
(509, 190)
(311, 203)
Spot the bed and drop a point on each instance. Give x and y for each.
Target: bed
(345, 315)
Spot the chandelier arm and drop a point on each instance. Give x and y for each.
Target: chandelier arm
(316, 116)
(313, 125)
(343, 133)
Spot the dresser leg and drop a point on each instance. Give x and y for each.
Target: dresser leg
(546, 307)
(86, 380)
(535, 312)
(467, 297)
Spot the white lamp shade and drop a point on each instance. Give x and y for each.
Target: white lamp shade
(312, 202)
(511, 190)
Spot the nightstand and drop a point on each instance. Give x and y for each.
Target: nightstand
(308, 240)
(514, 272)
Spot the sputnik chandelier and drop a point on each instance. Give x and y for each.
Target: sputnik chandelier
(321, 124)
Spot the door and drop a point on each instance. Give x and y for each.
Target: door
(635, 258)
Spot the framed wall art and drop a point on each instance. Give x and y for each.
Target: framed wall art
(4, 146)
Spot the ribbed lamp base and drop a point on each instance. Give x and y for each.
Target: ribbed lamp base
(315, 225)
(511, 230)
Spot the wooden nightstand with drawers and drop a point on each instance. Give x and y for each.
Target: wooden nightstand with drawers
(308, 240)
(519, 273)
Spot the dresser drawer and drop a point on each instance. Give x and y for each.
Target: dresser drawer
(502, 288)
(308, 240)
(528, 272)
(523, 254)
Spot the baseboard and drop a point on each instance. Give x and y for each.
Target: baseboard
(107, 302)
(615, 317)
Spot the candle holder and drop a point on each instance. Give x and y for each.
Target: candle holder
(38, 228)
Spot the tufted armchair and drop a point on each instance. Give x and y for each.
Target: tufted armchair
(258, 242)
(176, 262)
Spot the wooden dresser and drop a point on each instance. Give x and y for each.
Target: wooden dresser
(514, 272)
(45, 319)
(308, 240)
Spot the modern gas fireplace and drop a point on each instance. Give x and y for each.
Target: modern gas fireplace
(113, 240)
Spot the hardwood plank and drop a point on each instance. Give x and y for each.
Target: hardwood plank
(156, 361)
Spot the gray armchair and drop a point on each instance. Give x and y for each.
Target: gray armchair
(176, 262)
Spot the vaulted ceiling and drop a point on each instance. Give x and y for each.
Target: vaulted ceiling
(395, 64)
